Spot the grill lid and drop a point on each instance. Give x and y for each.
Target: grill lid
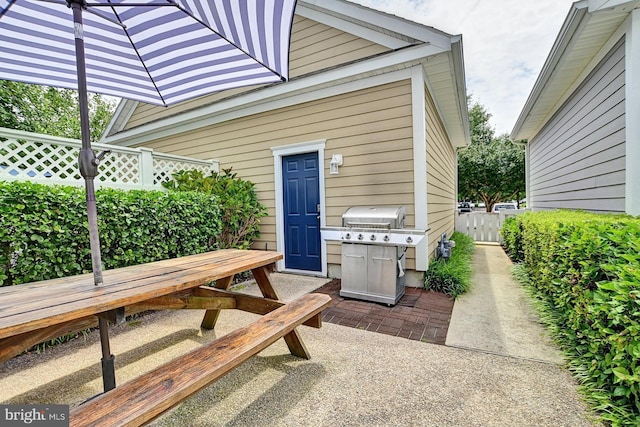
(374, 217)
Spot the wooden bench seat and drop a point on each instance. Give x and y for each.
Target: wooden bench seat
(144, 398)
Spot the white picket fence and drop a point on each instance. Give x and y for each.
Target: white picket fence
(46, 159)
(484, 226)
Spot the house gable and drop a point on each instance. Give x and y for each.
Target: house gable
(326, 34)
(314, 46)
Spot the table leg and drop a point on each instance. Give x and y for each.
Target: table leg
(108, 359)
(293, 339)
(211, 316)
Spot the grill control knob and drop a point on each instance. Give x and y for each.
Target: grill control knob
(360, 237)
(386, 238)
(347, 236)
(409, 239)
(373, 237)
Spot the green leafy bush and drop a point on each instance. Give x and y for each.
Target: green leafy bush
(586, 269)
(241, 209)
(452, 277)
(143, 226)
(44, 232)
(512, 238)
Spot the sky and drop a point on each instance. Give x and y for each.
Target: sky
(505, 44)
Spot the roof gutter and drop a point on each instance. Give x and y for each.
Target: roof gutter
(569, 28)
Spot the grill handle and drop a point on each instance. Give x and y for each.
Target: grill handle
(369, 224)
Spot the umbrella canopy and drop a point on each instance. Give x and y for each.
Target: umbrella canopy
(155, 51)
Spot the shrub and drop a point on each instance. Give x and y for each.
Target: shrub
(241, 209)
(512, 238)
(44, 232)
(143, 226)
(586, 269)
(453, 276)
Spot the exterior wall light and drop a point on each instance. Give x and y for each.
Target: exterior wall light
(336, 160)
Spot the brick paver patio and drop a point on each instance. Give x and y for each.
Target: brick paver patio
(419, 315)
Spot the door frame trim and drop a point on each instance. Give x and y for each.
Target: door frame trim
(316, 146)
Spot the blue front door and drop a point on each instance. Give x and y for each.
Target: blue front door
(301, 194)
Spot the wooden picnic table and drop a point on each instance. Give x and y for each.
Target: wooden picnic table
(31, 312)
(34, 312)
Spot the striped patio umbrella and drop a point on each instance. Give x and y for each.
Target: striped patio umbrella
(155, 51)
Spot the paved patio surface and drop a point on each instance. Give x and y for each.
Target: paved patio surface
(419, 315)
(355, 377)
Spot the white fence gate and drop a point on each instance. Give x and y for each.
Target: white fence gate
(47, 159)
(484, 226)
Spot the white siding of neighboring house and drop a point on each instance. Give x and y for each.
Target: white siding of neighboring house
(577, 160)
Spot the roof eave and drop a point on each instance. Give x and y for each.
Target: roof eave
(571, 24)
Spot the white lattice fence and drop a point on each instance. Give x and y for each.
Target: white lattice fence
(52, 160)
(165, 166)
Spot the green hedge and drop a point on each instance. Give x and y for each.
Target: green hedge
(240, 208)
(44, 232)
(586, 268)
(452, 277)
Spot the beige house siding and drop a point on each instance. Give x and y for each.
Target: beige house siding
(371, 128)
(441, 175)
(314, 46)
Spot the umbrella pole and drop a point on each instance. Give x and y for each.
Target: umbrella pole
(88, 164)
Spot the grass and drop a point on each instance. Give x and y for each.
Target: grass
(453, 276)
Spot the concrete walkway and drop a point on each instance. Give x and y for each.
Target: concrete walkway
(496, 315)
(355, 377)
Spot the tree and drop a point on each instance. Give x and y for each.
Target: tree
(50, 111)
(491, 168)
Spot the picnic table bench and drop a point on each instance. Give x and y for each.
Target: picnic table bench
(31, 313)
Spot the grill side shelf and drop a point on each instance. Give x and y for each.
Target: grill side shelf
(391, 237)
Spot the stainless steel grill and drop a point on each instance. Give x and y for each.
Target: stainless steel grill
(374, 242)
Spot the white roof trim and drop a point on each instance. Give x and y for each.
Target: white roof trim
(576, 23)
(457, 58)
(381, 22)
(375, 36)
(324, 84)
(124, 111)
